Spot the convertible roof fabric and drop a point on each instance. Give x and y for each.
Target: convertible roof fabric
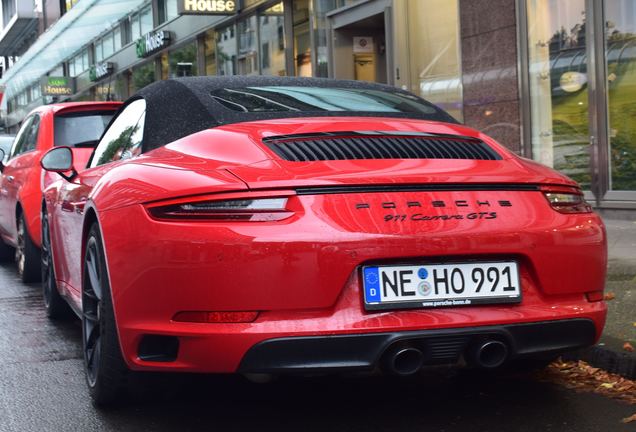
(179, 107)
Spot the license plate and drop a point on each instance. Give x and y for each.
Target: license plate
(440, 285)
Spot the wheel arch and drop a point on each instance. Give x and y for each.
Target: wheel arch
(91, 217)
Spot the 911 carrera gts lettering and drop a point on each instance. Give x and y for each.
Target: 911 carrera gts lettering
(438, 204)
(422, 217)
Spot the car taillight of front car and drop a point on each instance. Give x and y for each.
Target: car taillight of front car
(565, 199)
(234, 208)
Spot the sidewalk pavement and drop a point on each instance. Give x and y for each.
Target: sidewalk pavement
(620, 327)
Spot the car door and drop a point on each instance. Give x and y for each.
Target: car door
(120, 141)
(15, 172)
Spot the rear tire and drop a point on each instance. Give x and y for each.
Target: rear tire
(27, 254)
(106, 371)
(56, 307)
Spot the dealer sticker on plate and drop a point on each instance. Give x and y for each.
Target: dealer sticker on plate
(440, 285)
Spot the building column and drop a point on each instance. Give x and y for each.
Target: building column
(488, 36)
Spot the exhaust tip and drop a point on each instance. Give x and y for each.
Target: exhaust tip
(405, 361)
(491, 354)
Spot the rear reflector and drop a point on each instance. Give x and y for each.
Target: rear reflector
(215, 317)
(594, 296)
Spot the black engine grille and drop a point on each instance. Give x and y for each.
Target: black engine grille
(354, 145)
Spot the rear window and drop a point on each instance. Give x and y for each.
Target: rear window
(81, 129)
(323, 99)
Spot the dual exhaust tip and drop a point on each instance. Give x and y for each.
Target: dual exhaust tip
(407, 360)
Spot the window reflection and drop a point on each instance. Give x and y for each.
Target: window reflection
(123, 138)
(226, 50)
(183, 61)
(558, 86)
(621, 76)
(434, 57)
(247, 58)
(272, 35)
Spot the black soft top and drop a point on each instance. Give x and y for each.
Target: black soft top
(179, 107)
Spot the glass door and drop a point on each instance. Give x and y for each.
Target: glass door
(558, 87)
(620, 49)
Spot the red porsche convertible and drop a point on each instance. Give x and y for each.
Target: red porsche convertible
(266, 225)
(74, 124)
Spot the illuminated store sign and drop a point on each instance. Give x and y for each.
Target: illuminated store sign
(100, 70)
(57, 86)
(207, 7)
(152, 42)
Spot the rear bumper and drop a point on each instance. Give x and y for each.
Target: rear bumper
(365, 352)
(303, 276)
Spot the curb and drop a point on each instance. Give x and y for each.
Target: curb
(621, 363)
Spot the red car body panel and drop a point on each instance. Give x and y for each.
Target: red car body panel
(24, 190)
(303, 273)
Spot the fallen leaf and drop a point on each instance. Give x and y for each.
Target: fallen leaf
(609, 296)
(635, 324)
(628, 347)
(581, 377)
(629, 419)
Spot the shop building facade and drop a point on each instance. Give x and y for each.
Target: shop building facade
(550, 79)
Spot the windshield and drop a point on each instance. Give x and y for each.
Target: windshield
(324, 99)
(81, 129)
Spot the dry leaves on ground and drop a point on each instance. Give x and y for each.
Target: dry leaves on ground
(629, 419)
(628, 347)
(583, 377)
(609, 296)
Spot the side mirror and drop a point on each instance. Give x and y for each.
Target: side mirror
(59, 160)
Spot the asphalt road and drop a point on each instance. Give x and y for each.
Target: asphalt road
(42, 389)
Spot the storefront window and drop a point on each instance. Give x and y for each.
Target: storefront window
(226, 50)
(141, 23)
(165, 66)
(272, 35)
(320, 10)
(434, 59)
(167, 10)
(135, 29)
(145, 20)
(620, 18)
(108, 46)
(247, 58)
(111, 90)
(183, 61)
(302, 38)
(209, 42)
(558, 86)
(321, 7)
(78, 64)
(142, 76)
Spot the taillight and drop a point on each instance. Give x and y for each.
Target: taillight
(566, 200)
(243, 209)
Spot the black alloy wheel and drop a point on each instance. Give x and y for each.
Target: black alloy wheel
(106, 371)
(56, 307)
(27, 254)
